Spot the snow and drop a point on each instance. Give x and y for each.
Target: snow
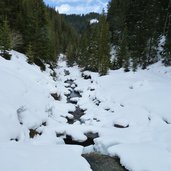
(143, 156)
(27, 157)
(21, 96)
(93, 21)
(130, 112)
(138, 101)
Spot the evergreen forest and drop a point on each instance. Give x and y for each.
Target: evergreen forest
(138, 32)
(30, 27)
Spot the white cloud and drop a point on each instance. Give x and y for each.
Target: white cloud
(72, 1)
(78, 6)
(77, 9)
(64, 8)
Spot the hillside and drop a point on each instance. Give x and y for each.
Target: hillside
(127, 115)
(31, 27)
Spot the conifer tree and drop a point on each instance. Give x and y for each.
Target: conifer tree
(5, 40)
(116, 17)
(95, 47)
(92, 48)
(167, 49)
(82, 57)
(167, 34)
(71, 54)
(29, 54)
(122, 53)
(103, 46)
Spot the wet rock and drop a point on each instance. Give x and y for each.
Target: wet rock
(166, 121)
(53, 75)
(60, 134)
(56, 96)
(44, 124)
(92, 135)
(66, 72)
(97, 120)
(14, 139)
(33, 133)
(122, 105)
(120, 126)
(99, 162)
(73, 86)
(96, 101)
(73, 101)
(131, 87)
(70, 82)
(85, 76)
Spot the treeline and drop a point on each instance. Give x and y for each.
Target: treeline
(31, 27)
(139, 31)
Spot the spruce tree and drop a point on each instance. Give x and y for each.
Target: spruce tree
(71, 55)
(167, 49)
(29, 54)
(82, 58)
(5, 40)
(116, 17)
(94, 52)
(122, 53)
(92, 48)
(167, 34)
(103, 46)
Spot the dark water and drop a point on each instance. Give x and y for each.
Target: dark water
(99, 162)
(89, 141)
(78, 111)
(74, 94)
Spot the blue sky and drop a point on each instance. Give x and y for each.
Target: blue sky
(77, 6)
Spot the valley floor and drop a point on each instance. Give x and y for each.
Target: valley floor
(127, 115)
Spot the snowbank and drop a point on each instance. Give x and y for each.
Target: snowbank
(19, 157)
(141, 157)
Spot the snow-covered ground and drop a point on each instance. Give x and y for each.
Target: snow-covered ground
(130, 111)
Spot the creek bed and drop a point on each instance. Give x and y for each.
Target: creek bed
(97, 161)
